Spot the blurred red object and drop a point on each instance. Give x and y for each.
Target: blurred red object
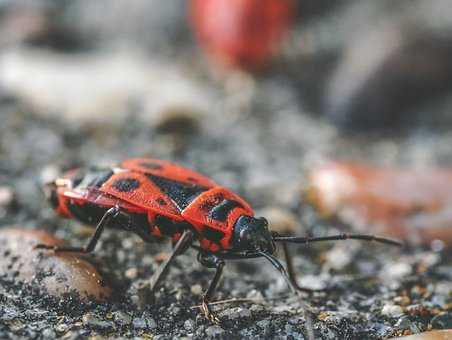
(241, 33)
(405, 203)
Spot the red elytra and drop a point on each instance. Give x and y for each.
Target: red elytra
(241, 33)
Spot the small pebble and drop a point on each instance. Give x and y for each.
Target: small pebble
(128, 243)
(314, 281)
(392, 310)
(437, 245)
(402, 300)
(6, 196)
(214, 330)
(189, 324)
(92, 320)
(403, 323)
(144, 323)
(396, 271)
(256, 308)
(292, 333)
(122, 318)
(61, 328)
(48, 333)
(237, 313)
(338, 258)
(255, 294)
(382, 330)
(196, 289)
(139, 323)
(263, 324)
(175, 310)
(151, 323)
(131, 273)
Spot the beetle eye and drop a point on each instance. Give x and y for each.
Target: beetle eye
(263, 221)
(247, 238)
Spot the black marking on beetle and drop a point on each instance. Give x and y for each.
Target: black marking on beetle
(86, 213)
(222, 210)
(91, 178)
(77, 178)
(138, 223)
(151, 165)
(182, 194)
(126, 184)
(212, 202)
(160, 201)
(213, 235)
(207, 205)
(167, 226)
(91, 214)
(100, 178)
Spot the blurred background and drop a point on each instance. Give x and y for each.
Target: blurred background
(333, 103)
(252, 93)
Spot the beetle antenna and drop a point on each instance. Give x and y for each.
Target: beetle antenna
(362, 237)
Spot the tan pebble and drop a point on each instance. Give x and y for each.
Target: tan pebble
(55, 273)
(196, 289)
(161, 257)
(402, 300)
(404, 203)
(6, 195)
(323, 316)
(131, 273)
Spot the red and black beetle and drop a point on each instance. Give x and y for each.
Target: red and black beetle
(156, 198)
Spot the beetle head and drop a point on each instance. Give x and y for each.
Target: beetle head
(50, 191)
(252, 234)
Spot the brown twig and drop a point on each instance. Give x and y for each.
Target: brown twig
(236, 300)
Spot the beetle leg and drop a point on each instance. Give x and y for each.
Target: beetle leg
(291, 271)
(211, 261)
(108, 216)
(180, 247)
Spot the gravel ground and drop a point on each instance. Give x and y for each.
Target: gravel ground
(258, 137)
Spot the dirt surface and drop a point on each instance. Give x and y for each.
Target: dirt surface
(257, 136)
